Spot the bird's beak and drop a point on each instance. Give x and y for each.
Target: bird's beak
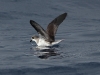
(30, 40)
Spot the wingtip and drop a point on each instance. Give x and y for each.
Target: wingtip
(31, 21)
(65, 14)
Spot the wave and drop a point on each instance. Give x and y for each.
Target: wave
(91, 68)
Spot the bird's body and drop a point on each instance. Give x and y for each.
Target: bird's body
(47, 37)
(42, 42)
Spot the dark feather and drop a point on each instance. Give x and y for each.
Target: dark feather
(52, 27)
(39, 29)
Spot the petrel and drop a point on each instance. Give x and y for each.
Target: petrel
(47, 37)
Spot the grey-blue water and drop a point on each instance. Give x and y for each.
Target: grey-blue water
(78, 54)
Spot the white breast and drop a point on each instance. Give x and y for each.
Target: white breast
(42, 42)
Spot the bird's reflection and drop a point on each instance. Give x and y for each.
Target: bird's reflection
(45, 52)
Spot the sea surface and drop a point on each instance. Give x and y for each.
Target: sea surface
(78, 54)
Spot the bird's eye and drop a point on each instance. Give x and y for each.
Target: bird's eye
(32, 37)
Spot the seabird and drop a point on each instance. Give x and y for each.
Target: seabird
(47, 37)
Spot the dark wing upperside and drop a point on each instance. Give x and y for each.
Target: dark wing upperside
(52, 27)
(39, 29)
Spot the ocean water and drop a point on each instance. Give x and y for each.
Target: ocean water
(78, 54)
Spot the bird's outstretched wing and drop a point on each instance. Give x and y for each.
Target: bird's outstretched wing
(39, 29)
(53, 25)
